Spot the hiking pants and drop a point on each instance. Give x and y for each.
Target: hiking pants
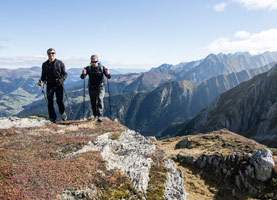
(58, 89)
(96, 95)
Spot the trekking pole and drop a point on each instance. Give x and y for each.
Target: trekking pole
(65, 95)
(42, 90)
(109, 98)
(67, 101)
(84, 98)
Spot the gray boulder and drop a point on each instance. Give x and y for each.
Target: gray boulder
(185, 143)
(263, 163)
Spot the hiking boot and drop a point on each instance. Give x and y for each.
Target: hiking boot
(64, 117)
(99, 119)
(53, 120)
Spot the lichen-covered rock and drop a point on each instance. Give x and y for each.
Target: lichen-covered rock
(263, 163)
(174, 184)
(85, 193)
(127, 153)
(130, 154)
(8, 122)
(241, 171)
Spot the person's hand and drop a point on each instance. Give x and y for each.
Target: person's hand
(61, 80)
(84, 71)
(107, 72)
(39, 83)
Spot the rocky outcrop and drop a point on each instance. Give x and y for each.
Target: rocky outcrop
(83, 160)
(8, 122)
(247, 172)
(263, 163)
(130, 153)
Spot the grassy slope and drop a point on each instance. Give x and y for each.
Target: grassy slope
(202, 185)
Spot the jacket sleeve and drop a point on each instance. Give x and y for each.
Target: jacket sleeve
(84, 75)
(63, 71)
(43, 73)
(107, 75)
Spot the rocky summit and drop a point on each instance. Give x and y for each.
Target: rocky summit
(88, 160)
(83, 160)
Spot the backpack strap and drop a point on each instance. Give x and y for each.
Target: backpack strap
(57, 68)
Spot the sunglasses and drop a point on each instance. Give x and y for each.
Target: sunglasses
(94, 61)
(51, 53)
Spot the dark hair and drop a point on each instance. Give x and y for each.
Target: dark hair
(50, 49)
(94, 56)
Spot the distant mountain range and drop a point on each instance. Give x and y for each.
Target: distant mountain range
(172, 102)
(150, 112)
(249, 109)
(195, 71)
(148, 102)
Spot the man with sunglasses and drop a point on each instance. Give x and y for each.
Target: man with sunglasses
(96, 73)
(53, 74)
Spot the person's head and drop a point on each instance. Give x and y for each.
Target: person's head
(94, 60)
(51, 54)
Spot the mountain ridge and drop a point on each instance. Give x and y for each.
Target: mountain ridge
(248, 109)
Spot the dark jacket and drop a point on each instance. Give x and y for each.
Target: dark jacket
(51, 72)
(96, 76)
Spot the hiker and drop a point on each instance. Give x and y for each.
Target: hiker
(96, 73)
(54, 74)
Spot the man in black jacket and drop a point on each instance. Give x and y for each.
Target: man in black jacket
(54, 74)
(96, 73)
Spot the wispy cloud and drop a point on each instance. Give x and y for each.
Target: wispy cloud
(242, 34)
(220, 7)
(70, 62)
(258, 4)
(253, 43)
(23, 61)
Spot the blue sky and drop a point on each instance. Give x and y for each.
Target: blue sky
(133, 33)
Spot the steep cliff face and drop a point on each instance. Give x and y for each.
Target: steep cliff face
(209, 90)
(83, 160)
(249, 109)
(166, 104)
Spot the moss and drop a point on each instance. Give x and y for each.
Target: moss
(274, 182)
(121, 188)
(115, 135)
(158, 176)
